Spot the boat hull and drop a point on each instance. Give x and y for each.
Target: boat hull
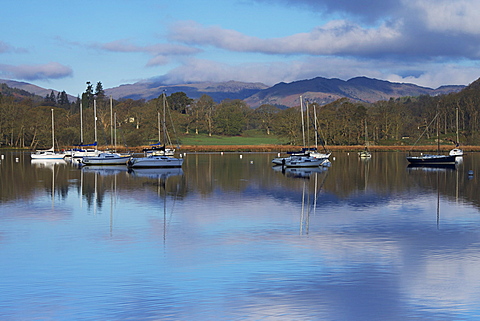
(155, 161)
(116, 161)
(85, 153)
(432, 159)
(303, 162)
(47, 155)
(456, 152)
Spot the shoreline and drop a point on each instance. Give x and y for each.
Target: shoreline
(287, 148)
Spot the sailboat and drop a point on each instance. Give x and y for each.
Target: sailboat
(314, 151)
(456, 151)
(306, 157)
(429, 159)
(159, 149)
(87, 150)
(157, 157)
(48, 153)
(365, 153)
(107, 158)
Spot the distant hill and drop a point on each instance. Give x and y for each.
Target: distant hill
(321, 90)
(218, 91)
(324, 91)
(36, 90)
(17, 93)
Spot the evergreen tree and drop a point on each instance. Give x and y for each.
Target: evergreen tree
(50, 99)
(99, 92)
(179, 101)
(87, 96)
(62, 99)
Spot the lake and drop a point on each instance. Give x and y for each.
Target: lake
(228, 237)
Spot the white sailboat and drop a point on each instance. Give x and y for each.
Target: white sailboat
(456, 151)
(159, 149)
(106, 159)
(48, 153)
(87, 150)
(429, 159)
(155, 161)
(307, 157)
(365, 153)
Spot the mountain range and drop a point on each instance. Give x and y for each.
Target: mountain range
(319, 89)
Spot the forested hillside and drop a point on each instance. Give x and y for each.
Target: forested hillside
(25, 121)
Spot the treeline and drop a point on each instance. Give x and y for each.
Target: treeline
(27, 122)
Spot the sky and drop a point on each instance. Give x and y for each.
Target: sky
(61, 45)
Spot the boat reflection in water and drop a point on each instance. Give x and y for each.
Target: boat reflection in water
(161, 173)
(47, 163)
(300, 172)
(105, 170)
(432, 167)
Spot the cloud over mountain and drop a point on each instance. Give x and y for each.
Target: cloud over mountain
(52, 70)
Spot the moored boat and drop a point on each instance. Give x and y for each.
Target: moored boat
(428, 159)
(303, 161)
(456, 152)
(155, 161)
(365, 154)
(47, 154)
(106, 159)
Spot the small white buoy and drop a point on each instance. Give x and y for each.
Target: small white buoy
(278, 155)
(348, 154)
(184, 154)
(221, 153)
(241, 156)
(3, 156)
(251, 162)
(333, 158)
(16, 159)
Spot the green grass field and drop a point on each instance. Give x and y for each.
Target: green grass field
(248, 138)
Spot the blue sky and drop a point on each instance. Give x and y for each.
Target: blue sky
(63, 44)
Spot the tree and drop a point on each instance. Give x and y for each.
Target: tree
(230, 117)
(179, 101)
(203, 114)
(99, 92)
(87, 96)
(265, 114)
(62, 99)
(287, 124)
(50, 99)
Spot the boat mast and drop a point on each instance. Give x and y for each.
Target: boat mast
(303, 123)
(366, 133)
(53, 132)
(159, 127)
(315, 124)
(458, 139)
(115, 131)
(95, 117)
(111, 120)
(308, 124)
(81, 123)
(438, 136)
(164, 119)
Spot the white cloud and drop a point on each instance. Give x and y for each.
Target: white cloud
(51, 70)
(6, 48)
(336, 37)
(156, 49)
(432, 75)
(459, 16)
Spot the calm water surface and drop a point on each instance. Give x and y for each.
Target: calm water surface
(228, 237)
